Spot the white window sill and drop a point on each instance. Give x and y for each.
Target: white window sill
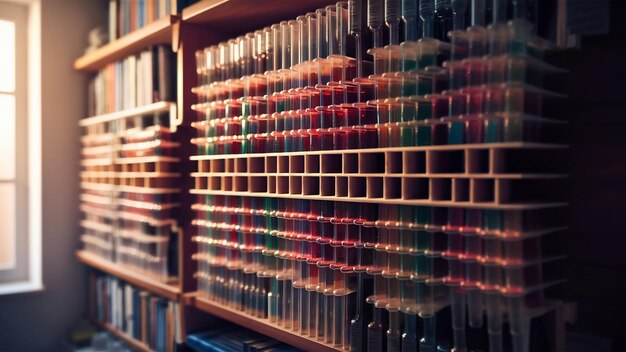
(12, 288)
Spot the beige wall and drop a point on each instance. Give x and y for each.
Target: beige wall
(40, 321)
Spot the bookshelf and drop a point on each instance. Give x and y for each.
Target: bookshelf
(158, 32)
(477, 182)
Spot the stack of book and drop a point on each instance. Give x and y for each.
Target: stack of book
(138, 314)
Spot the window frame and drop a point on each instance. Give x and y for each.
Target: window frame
(27, 275)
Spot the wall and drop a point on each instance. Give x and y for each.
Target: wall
(40, 321)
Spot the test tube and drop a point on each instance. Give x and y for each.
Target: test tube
(392, 20)
(459, 8)
(285, 42)
(375, 15)
(311, 35)
(233, 64)
(478, 12)
(259, 52)
(455, 277)
(332, 29)
(354, 23)
(410, 18)
(323, 37)
(342, 67)
(308, 34)
(499, 11)
(427, 15)
(296, 53)
(443, 16)
(492, 283)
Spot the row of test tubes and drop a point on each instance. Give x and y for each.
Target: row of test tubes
(486, 92)
(130, 194)
(365, 276)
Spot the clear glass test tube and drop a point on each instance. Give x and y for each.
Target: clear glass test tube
(410, 18)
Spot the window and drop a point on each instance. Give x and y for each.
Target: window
(20, 235)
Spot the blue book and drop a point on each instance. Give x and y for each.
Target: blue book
(136, 315)
(141, 13)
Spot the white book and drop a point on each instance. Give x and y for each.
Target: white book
(128, 299)
(148, 78)
(112, 20)
(132, 79)
(113, 298)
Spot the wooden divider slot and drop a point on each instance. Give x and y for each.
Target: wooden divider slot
(283, 164)
(331, 163)
(257, 183)
(440, 189)
(372, 163)
(393, 162)
(256, 165)
(460, 190)
(227, 183)
(270, 164)
(271, 184)
(215, 183)
(393, 188)
(204, 166)
(241, 165)
(414, 162)
(295, 185)
(202, 182)
(375, 187)
(240, 184)
(282, 184)
(296, 164)
(310, 185)
(312, 164)
(483, 190)
(341, 189)
(327, 186)
(446, 162)
(217, 165)
(356, 187)
(477, 161)
(503, 191)
(230, 165)
(415, 188)
(350, 163)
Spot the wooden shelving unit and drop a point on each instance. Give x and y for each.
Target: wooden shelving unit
(170, 292)
(158, 32)
(259, 325)
(200, 25)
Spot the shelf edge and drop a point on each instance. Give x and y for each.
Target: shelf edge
(170, 292)
(260, 326)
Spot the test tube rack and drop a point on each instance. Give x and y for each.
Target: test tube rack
(355, 210)
(130, 187)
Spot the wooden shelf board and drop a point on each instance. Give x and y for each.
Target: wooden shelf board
(234, 17)
(128, 340)
(158, 32)
(436, 148)
(261, 326)
(170, 292)
(161, 106)
(398, 201)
